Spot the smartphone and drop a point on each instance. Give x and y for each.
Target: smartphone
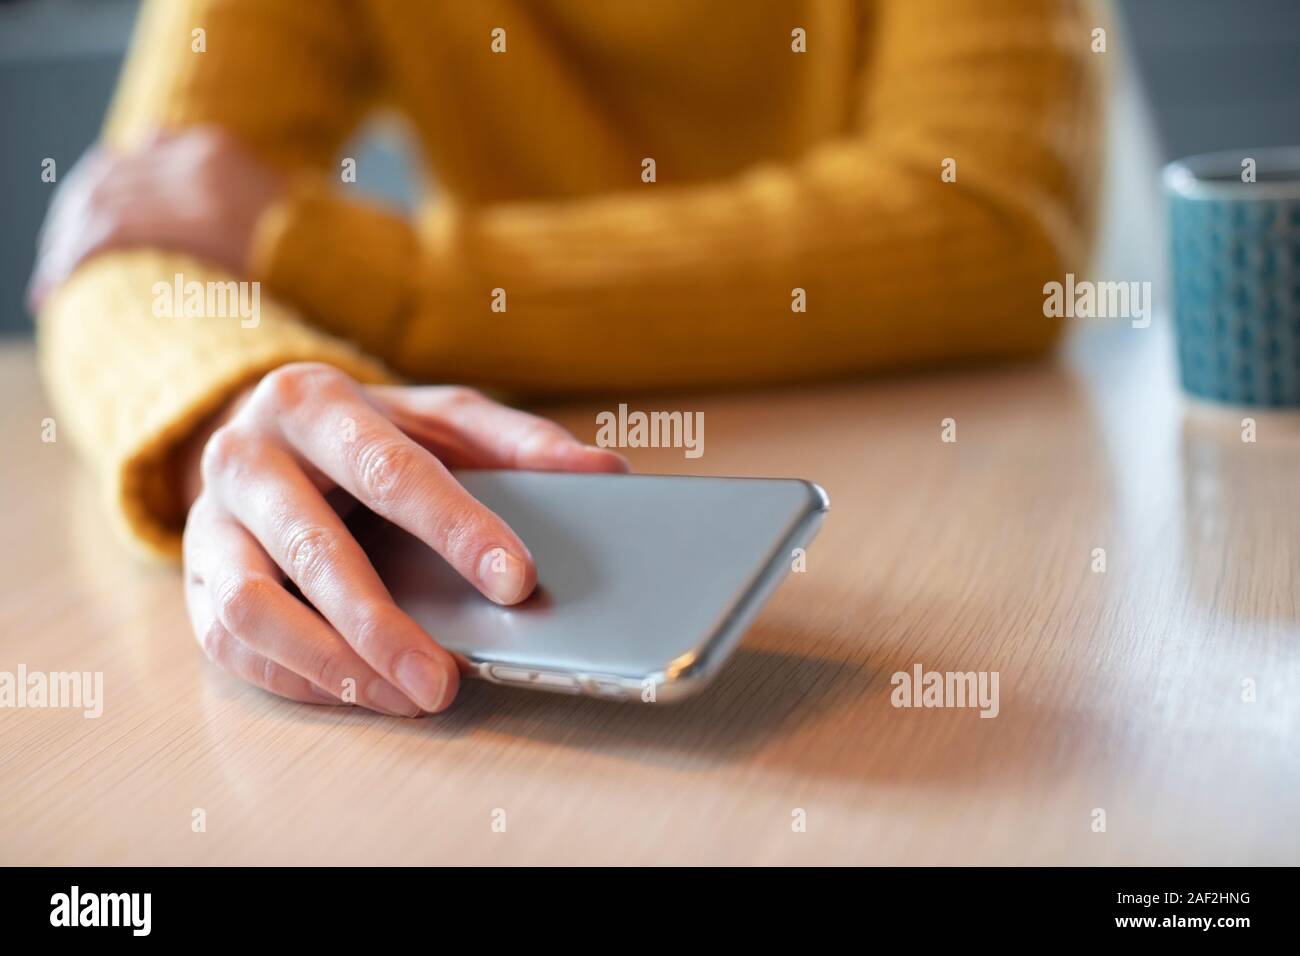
(646, 583)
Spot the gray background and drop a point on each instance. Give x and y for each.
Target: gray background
(1218, 74)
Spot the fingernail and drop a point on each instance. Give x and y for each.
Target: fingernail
(503, 576)
(389, 699)
(422, 679)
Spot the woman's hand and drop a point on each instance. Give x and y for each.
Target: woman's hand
(262, 517)
(195, 191)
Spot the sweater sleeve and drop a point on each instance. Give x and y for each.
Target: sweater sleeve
(129, 380)
(693, 285)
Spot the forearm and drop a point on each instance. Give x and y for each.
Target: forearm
(857, 260)
(663, 284)
(853, 261)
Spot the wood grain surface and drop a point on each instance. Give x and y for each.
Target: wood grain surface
(1126, 691)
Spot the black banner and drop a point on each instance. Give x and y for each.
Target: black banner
(335, 906)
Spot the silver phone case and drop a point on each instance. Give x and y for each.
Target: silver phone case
(718, 547)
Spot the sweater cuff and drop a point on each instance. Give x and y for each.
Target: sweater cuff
(347, 265)
(140, 484)
(133, 386)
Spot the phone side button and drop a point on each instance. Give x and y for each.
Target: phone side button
(560, 682)
(528, 678)
(607, 687)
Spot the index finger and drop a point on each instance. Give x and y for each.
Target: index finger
(345, 437)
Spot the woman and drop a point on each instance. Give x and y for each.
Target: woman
(677, 193)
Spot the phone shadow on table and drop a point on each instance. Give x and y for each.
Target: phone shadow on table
(828, 715)
(825, 716)
(760, 696)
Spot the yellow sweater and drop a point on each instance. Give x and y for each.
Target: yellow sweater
(775, 170)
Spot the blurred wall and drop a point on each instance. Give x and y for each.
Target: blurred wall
(58, 62)
(1220, 74)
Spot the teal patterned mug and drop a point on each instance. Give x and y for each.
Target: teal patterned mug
(1234, 224)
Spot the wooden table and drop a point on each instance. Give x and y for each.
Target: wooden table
(1120, 690)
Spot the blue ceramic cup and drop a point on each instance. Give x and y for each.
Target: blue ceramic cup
(1236, 275)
